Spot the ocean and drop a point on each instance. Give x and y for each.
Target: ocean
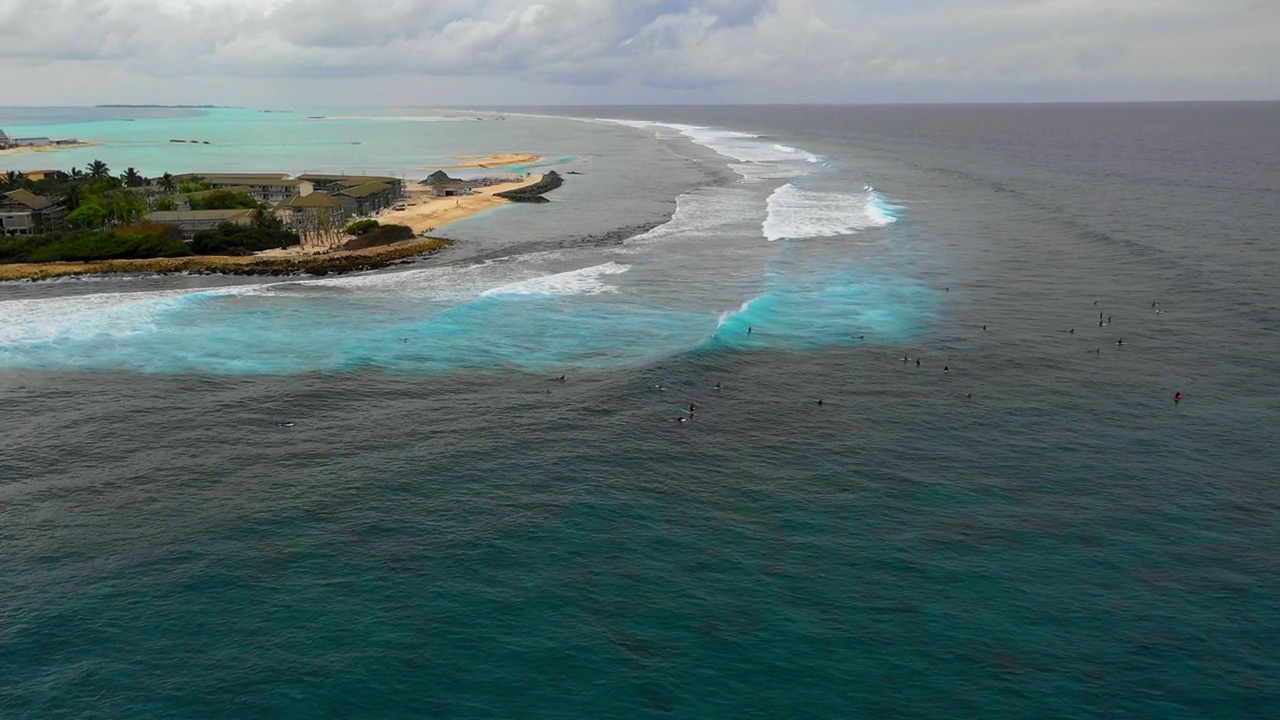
(372, 496)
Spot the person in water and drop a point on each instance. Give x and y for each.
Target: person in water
(946, 369)
(750, 329)
(717, 386)
(1120, 341)
(1177, 397)
(819, 402)
(917, 362)
(659, 386)
(984, 327)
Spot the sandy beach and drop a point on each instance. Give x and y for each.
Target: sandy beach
(468, 162)
(425, 213)
(48, 148)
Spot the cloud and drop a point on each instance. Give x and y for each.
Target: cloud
(762, 49)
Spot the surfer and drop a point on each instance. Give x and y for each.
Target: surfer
(285, 423)
(917, 362)
(1120, 341)
(1072, 331)
(819, 402)
(718, 386)
(681, 419)
(404, 340)
(946, 369)
(1108, 319)
(1177, 397)
(750, 329)
(658, 386)
(984, 327)
(560, 379)
(905, 359)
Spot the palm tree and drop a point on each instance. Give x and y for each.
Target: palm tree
(167, 183)
(131, 178)
(98, 169)
(76, 173)
(12, 180)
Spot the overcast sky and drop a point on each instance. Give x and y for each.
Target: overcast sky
(472, 52)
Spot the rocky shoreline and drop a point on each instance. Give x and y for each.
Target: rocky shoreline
(534, 193)
(319, 265)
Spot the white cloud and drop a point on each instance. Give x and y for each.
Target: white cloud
(756, 50)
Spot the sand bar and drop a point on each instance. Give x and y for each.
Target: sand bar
(46, 148)
(490, 161)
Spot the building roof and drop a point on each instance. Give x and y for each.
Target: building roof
(181, 216)
(29, 199)
(349, 180)
(251, 180)
(366, 190)
(221, 176)
(314, 200)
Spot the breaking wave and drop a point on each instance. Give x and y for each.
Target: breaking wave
(797, 214)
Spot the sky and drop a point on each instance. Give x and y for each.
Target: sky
(544, 52)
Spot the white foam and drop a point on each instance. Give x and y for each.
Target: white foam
(797, 214)
(586, 281)
(779, 161)
(83, 317)
(705, 212)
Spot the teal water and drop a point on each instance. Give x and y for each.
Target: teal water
(256, 499)
(408, 143)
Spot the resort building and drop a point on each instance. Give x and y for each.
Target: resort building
(22, 212)
(191, 222)
(264, 187)
(444, 186)
(366, 199)
(31, 142)
(312, 212)
(5, 142)
(332, 184)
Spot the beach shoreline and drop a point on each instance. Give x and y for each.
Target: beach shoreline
(47, 148)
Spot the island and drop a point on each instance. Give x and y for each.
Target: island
(90, 221)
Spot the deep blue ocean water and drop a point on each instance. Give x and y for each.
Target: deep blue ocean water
(449, 531)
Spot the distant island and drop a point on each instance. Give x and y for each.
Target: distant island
(172, 107)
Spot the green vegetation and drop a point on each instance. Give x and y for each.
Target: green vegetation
(361, 227)
(224, 200)
(190, 186)
(382, 235)
(124, 242)
(229, 239)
